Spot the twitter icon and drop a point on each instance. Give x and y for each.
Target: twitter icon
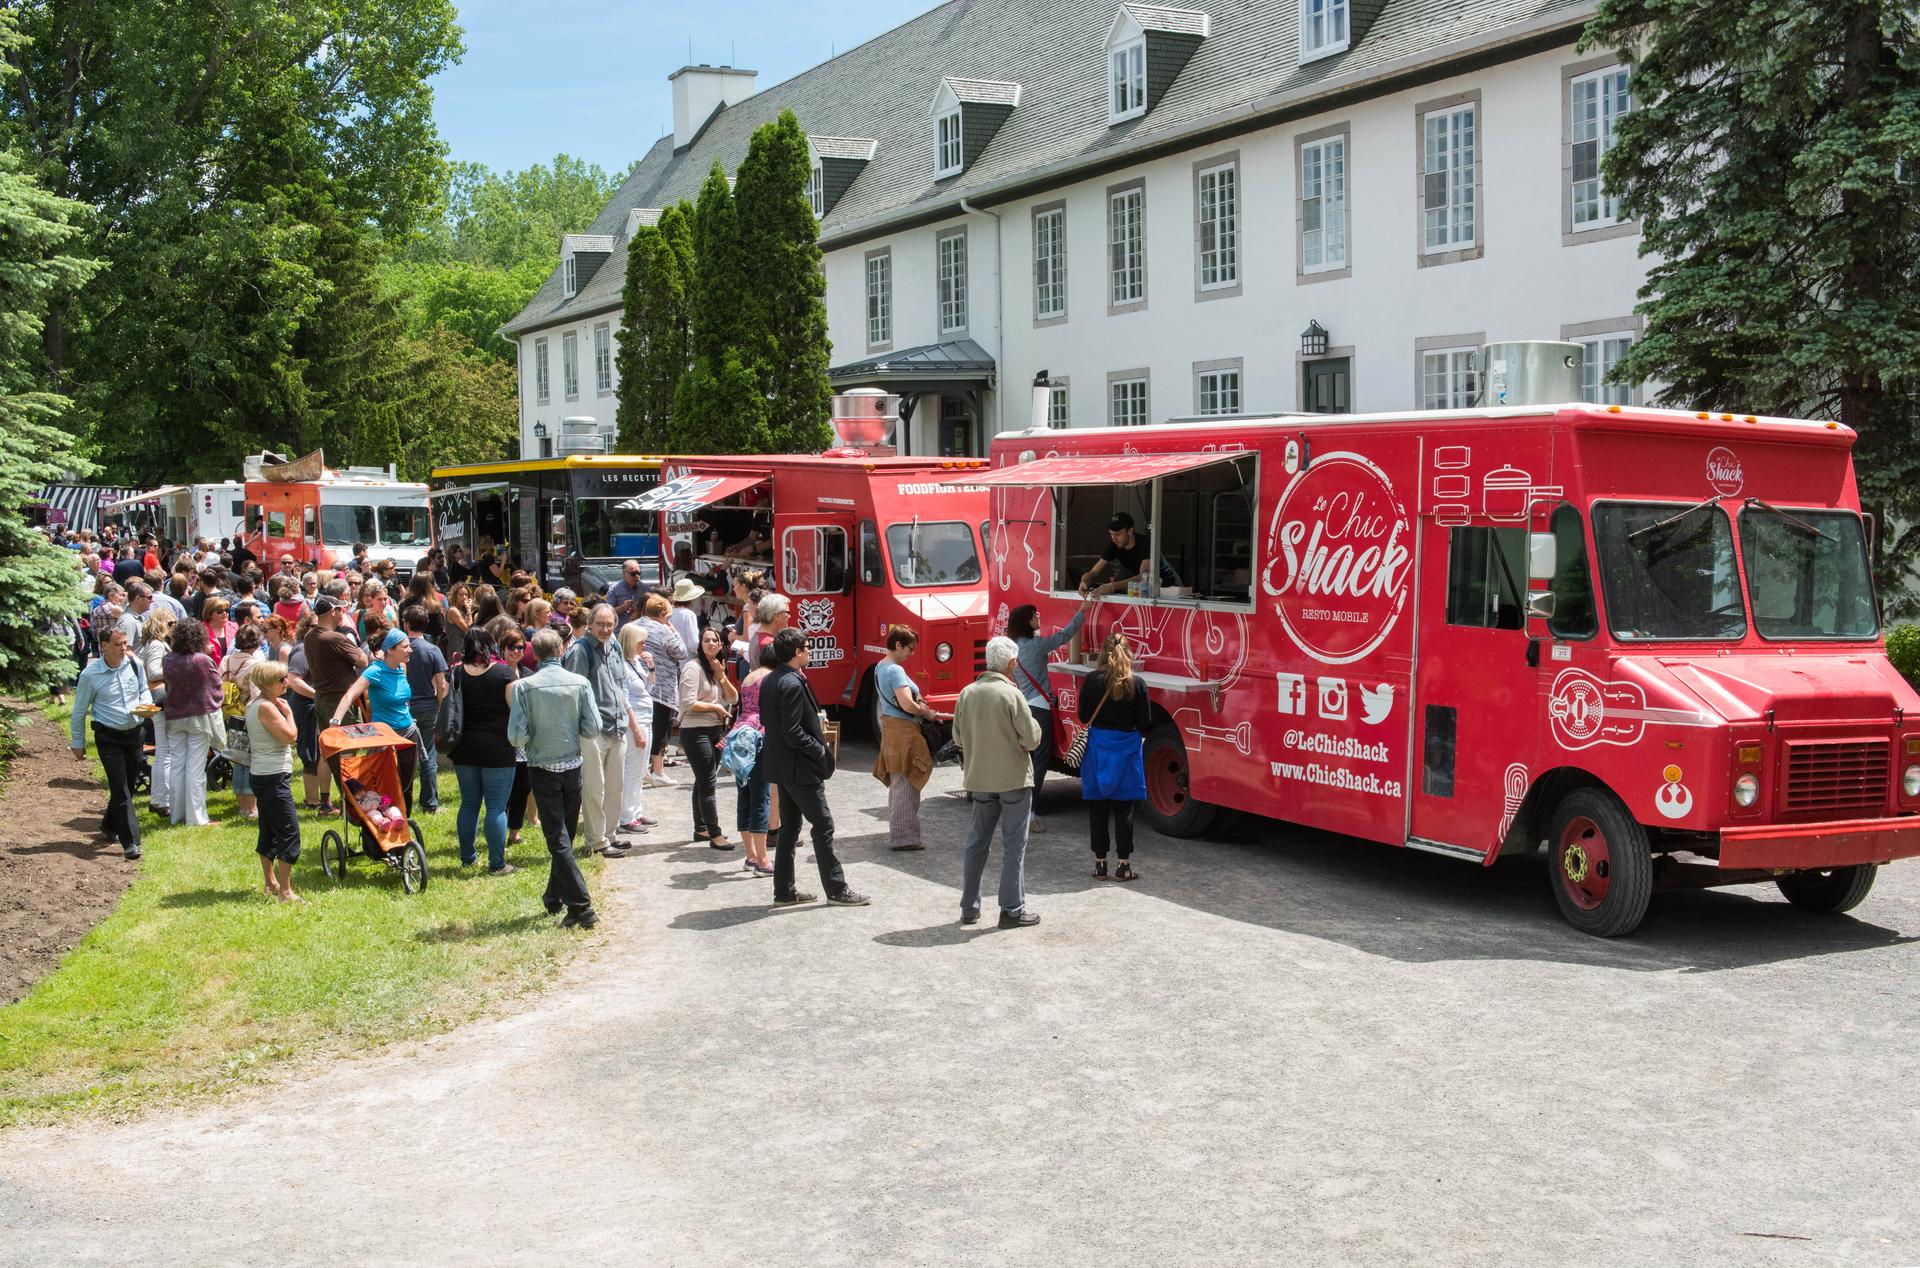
(1376, 703)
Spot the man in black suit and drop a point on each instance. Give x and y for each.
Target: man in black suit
(799, 763)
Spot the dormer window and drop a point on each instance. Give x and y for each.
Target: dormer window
(1148, 46)
(947, 152)
(1128, 66)
(569, 287)
(816, 191)
(1324, 28)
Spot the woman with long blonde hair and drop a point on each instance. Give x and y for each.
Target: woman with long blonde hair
(1113, 776)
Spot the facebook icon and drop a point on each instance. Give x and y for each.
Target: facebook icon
(1293, 693)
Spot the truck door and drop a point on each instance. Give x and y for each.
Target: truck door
(814, 574)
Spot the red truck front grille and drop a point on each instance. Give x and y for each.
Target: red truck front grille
(1837, 779)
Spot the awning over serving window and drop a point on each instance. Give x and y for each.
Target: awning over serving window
(141, 499)
(690, 493)
(1083, 470)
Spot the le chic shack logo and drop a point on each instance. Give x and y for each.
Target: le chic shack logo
(1338, 552)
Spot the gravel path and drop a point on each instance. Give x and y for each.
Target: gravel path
(1276, 1047)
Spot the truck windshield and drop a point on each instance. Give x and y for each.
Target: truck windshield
(939, 554)
(607, 532)
(1807, 572)
(403, 526)
(1668, 571)
(346, 525)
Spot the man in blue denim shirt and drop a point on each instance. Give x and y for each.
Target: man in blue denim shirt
(111, 688)
(552, 712)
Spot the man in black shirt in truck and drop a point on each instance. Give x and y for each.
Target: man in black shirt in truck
(1125, 556)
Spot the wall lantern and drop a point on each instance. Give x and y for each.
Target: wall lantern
(1313, 340)
(539, 431)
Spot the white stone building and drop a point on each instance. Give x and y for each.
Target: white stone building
(1166, 210)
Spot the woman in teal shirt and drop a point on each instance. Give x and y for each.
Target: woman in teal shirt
(384, 684)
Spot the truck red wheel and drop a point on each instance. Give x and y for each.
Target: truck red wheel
(1600, 865)
(1171, 808)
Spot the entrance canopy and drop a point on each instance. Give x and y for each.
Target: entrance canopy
(690, 493)
(1093, 470)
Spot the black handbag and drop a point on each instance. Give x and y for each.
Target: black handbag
(453, 714)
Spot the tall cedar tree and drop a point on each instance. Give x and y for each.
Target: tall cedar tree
(653, 352)
(784, 300)
(37, 232)
(720, 405)
(1771, 159)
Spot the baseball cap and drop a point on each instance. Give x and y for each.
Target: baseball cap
(1120, 521)
(324, 605)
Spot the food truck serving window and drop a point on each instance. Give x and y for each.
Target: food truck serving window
(1668, 571)
(1807, 573)
(938, 554)
(1196, 525)
(609, 532)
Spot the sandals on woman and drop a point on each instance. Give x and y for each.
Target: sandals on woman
(1099, 869)
(1125, 872)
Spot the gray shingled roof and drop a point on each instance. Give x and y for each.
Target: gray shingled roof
(844, 147)
(1055, 48)
(1152, 17)
(587, 241)
(985, 92)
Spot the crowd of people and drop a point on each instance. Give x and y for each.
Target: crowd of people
(196, 663)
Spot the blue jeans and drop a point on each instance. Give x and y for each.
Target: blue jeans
(1010, 812)
(425, 714)
(492, 784)
(754, 804)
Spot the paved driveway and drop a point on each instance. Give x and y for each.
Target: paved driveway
(1277, 1047)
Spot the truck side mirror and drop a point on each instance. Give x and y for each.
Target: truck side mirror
(1541, 605)
(1543, 554)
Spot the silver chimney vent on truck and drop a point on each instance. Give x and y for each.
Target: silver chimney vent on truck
(1531, 372)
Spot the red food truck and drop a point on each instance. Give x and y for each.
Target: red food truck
(857, 540)
(1646, 639)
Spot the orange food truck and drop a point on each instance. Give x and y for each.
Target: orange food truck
(857, 538)
(1645, 639)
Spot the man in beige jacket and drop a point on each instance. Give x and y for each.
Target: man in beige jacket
(997, 734)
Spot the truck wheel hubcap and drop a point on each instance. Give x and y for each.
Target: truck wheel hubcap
(1585, 864)
(1167, 780)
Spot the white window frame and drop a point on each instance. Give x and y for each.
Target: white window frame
(1127, 81)
(1059, 413)
(1449, 377)
(1596, 361)
(569, 274)
(950, 281)
(1128, 400)
(880, 299)
(1127, 256)
(542, 376)
(948, 154)
(570, 364)
(1217, 226)
(1450, 149)
(1217, 391)
(1609, 98)
(1050, 263)
(817, 190)
(1323, 187)
(1326, 28)
(603, 358)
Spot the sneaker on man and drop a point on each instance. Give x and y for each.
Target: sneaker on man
(580, 919)
(795, 899)
(614, 850)
(849, 898)
(659, 781)
(1022, 919)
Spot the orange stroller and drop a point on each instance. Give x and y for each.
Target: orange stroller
(363, 759)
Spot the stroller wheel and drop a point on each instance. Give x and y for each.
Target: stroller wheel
(219, 773)
(333, 855)
(413, 865)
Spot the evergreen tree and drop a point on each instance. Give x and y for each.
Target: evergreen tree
(653, 354)
(784, 302)
(37, 230)
(1771, 160)
(720, 404)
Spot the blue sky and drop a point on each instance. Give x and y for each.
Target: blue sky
(591, 79)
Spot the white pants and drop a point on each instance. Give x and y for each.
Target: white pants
(160, 777)
(602, 789)
(187, 772)
(634, 768)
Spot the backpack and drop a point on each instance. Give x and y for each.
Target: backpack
(233, 701)
(740, 752)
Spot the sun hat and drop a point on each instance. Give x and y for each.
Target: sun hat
(686, 590)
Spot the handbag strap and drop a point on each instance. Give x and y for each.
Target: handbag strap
(1046, 695)
(1096, 710)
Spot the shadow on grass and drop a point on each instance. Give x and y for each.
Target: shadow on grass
(476, 931)
(212, 897)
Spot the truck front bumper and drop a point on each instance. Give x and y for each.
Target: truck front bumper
(1842, 843)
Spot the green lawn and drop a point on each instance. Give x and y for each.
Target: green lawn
(198, 982)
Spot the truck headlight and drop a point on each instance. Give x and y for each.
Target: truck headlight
(943, 652)
(1746, 791)
(1910, 781)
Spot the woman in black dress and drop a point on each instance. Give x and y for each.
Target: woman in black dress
(483, 759)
